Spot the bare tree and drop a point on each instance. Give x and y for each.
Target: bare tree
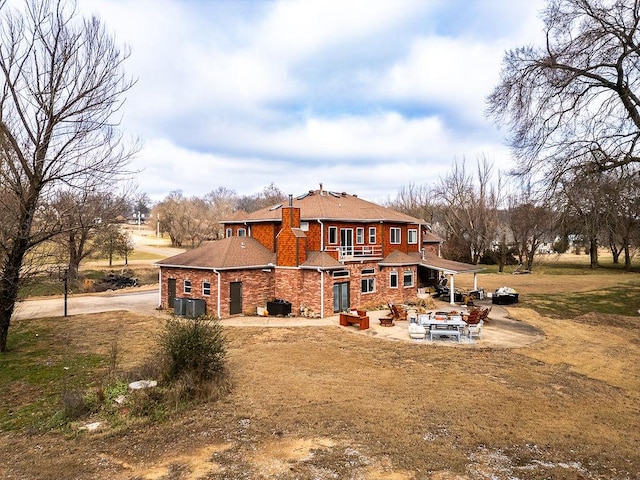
(172, 212)
(269, 196)
(61, 88)
(114, 240)
(222, 202)
(620, 200)
(469, 210)
(83, 216)
(574, 101)
(415, 200)
(530, 224)
(583, 208)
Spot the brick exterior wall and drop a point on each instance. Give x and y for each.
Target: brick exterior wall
(383, 292)
(257, 288)
(303, 288)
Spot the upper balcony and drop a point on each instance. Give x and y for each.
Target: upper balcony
(356, 252)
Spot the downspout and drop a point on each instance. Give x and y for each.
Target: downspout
(321, 293)
(219, 309)
(160, 289)
(321, 235)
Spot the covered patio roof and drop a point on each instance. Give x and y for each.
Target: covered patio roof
(448, 267)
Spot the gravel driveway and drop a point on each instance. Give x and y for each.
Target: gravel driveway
(142, 301)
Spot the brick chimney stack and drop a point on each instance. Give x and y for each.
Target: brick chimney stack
(291, 246)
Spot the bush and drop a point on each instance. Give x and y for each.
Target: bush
(76, 404)
(193, 347)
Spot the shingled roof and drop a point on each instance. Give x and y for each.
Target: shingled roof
(322, 261)
(325, 205)
(399, 259)
(226, 254)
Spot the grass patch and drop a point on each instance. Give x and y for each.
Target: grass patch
(613, 300)
(78, 369)
(36, 373)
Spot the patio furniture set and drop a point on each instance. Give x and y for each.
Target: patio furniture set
(431, 325)
(449, 324)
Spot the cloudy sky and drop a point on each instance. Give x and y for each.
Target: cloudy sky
(364, 96)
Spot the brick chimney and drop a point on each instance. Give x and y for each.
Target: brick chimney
(291, 242)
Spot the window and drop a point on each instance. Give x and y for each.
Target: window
(412, 236)
(407, 279)
(372, 234)
(368, 285)
(368, 271)
(360, 235)
(395, 236)
(242, 232)
(340, 273)
(229, 233)
(393, 280)
(206, 287)
(304, 226)
(333, 235)
(187, 286)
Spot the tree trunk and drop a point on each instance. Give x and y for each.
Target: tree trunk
(627, 257)
(10, 273)
(593, 252)
(530, 257)
(502, 257)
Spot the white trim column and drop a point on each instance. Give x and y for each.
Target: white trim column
(452, 290)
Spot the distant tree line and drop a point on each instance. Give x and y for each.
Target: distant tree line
(189, 221)
(483, 220)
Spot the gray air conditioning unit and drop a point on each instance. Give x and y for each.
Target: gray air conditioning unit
(195, 307)
(179, 306)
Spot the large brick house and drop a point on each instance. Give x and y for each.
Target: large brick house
(323, 252)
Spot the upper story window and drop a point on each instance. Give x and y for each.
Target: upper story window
(372, 234)
(360, 235)
(412, 236)
(242, 232)
(206, 287)
(304, 226)
(228, 232)
(187, 286)
(395, 235)
(333, 235)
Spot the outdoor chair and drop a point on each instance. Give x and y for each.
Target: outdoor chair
(417, 332)
(473, 317)
(475, 330)
(397, 313)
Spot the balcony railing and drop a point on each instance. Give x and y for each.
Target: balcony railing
(356, 251)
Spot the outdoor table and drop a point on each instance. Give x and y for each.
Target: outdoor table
(449, 324)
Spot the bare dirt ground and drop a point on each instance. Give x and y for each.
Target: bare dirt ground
(323, 402)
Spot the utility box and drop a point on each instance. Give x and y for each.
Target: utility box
(195, 307)
(179, 306)
(279, 307)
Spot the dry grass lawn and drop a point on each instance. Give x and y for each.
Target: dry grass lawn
(322, 403)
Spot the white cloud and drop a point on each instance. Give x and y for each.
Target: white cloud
(362, 96)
